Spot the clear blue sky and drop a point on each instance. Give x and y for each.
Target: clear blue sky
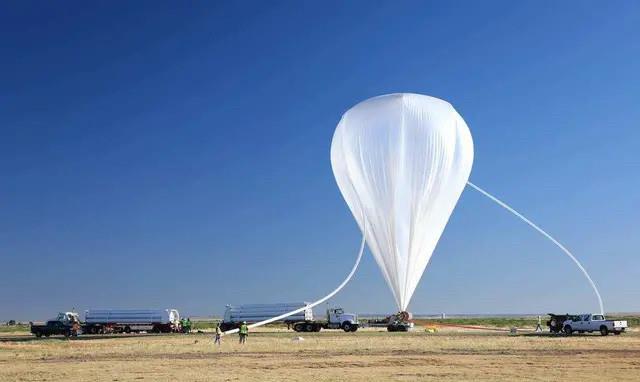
(157, 154)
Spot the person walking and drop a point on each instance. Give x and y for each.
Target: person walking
(244, 332)
(539, 325)
(218, 338)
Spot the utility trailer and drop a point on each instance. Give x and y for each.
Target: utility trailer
(131, 320)
(556, 322)
(303, 321)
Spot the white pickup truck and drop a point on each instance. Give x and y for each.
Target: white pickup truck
(593, 323)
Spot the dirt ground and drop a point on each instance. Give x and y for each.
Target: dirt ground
(368, 355)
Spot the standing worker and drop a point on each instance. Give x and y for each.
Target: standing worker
(244, 332)
(539, 325)
(188, 325)
(218, 337)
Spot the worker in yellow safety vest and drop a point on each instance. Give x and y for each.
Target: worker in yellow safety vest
(244, 332)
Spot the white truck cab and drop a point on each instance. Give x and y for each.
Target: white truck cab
(589, 322)
(338, 315)
(337, 318)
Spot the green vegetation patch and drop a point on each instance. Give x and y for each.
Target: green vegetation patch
(14, 328)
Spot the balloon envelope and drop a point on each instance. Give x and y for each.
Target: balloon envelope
(401, 162)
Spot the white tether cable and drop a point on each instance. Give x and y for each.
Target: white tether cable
(540, 230)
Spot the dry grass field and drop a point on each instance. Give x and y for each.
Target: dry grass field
(368, 355)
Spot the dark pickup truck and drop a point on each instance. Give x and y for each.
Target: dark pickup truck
(65, 324)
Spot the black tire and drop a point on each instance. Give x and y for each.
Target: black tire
(346, 326)
(568, 330)
(604, 331)
(317, 328)
(354, 328)
(298, 327)
(309, 328)
(617, 333)
(127, 329)
(38, 334)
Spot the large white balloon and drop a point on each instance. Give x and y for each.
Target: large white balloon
(401, 162)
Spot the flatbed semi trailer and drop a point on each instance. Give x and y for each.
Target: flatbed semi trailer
(303, 321)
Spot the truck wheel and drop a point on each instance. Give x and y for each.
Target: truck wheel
(346, 326)
(298, 327)
(617, 333)
(38, 334)
(317, 328)
(568, 330)
(127, 329)
(309, 328)
(604, 331)
(354, 328)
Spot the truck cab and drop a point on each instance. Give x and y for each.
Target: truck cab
(337, 318)
(589, 322)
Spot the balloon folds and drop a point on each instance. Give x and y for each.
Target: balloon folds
(401, 162)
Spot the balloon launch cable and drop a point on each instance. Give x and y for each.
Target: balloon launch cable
(540, 230)
(309, 306)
